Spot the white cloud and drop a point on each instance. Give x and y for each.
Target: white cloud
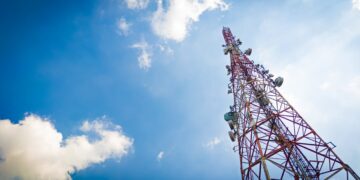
(175, 22)
(144, 58)
(160, 156)
(356, 4)
(166, 49)
(353, 87)
(123, 26)
(350, 88)
(212, 143)
(34, 149)
(137, 4)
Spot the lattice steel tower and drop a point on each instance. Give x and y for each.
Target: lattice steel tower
(273, 140)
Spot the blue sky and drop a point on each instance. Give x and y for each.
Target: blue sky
(159, 73)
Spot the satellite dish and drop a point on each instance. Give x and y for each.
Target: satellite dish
(248, 52)
(278, 81)
(232, 136)
(231, 125)
(238, 42)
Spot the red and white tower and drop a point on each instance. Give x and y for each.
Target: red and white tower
(273, 140)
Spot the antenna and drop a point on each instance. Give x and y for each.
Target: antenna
(273, 140)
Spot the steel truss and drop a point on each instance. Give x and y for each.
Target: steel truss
(274, 141)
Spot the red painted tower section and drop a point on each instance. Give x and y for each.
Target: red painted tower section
(273, 140)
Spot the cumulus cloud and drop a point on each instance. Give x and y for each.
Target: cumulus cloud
(212, 143)
(137, 4)
(174, 22)
(160, 156)
(123, 26)
(144, 58)
(34, 149)
(356, 4)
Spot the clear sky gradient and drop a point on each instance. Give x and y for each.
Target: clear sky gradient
(158, 71)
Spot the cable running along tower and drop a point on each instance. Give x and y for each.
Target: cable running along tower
(273, 140)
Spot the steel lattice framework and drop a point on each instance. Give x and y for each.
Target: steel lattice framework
(274, 141)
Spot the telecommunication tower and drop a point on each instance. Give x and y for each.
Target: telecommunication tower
(273, 140)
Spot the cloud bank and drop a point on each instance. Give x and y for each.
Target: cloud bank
(34, 149)
(174, 22)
